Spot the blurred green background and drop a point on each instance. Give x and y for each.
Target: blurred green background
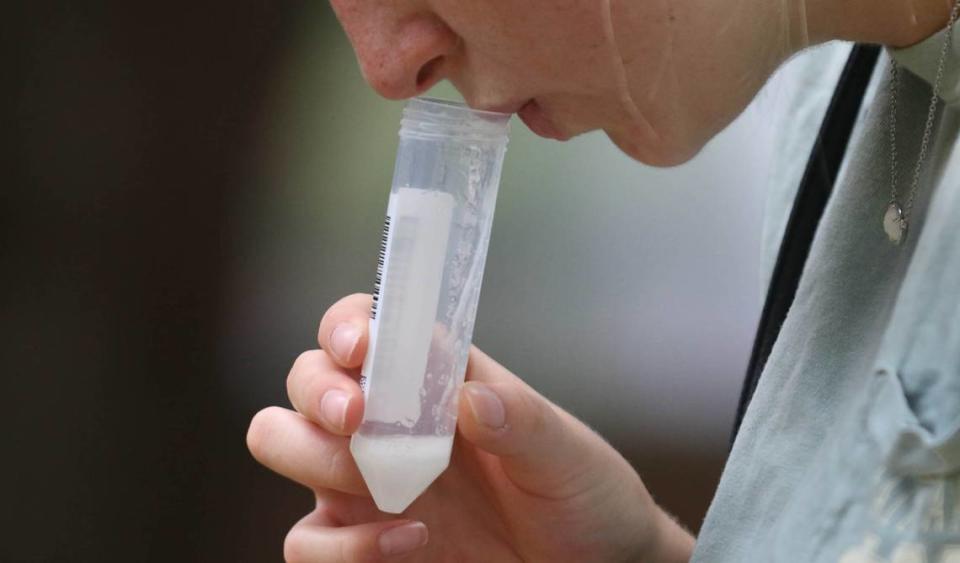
(193, 186)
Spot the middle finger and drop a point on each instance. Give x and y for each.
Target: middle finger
(325, 393)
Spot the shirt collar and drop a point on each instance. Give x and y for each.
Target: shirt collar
(922, 59)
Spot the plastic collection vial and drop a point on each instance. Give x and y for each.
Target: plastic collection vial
(429, 271)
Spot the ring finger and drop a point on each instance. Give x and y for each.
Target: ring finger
(294, 447)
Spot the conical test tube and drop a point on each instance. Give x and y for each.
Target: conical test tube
(429, 272)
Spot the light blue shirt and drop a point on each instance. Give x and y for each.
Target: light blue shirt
(850, 449)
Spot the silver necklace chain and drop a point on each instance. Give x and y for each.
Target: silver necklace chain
(896, 217)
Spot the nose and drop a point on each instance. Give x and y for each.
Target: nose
(400, 55)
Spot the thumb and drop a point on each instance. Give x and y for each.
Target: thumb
(542, 449)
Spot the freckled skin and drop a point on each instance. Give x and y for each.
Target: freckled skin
(660, 77)
(625, 66)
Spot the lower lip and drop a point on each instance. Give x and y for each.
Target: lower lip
(536, 120)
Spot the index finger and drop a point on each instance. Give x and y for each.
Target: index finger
(344, 329)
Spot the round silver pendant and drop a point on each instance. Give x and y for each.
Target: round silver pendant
(894, 223)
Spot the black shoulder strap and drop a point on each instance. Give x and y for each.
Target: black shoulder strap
(815, 188)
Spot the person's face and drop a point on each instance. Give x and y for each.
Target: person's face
(642, 71)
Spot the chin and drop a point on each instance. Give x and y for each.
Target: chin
(663, 153)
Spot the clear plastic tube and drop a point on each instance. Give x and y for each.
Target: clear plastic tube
(429, 272)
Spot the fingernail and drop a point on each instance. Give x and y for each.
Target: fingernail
(403, 539)
(486, 405)
(333, 407)
(344, 340)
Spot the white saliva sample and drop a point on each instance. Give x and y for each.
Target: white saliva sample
(398, 468)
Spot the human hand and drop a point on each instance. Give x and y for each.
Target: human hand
(526, 482)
